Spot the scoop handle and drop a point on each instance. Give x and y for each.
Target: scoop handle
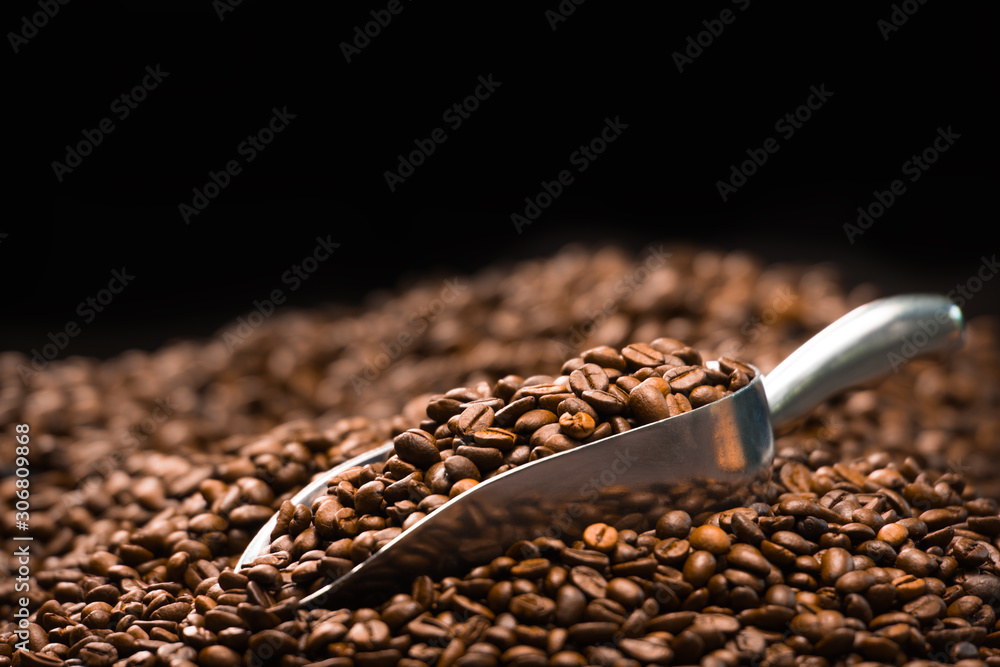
(868, 342)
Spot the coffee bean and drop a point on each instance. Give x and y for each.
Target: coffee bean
(605, 357)
(625, 592)
(699, 567)
(683, 379)
(639, 355)
(703, 395)
(675, 523)
(98, 654)
(589, 580)
(476, 417)
(748, 558)
(601, 537)
(588, 377)
(577, 425)
(646, 651)
(729, 365)
(605, 403)
(533, 420)
(484, 458)
(710, 538)
(915, 562)
(647, 402)
(417, 447)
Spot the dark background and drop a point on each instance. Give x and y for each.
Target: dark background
(324, 174)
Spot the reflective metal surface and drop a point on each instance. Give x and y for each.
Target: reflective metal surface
(706, 460)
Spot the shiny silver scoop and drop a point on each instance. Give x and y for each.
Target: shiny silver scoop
(712, 458)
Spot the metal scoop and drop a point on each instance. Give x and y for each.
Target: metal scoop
(712, 458)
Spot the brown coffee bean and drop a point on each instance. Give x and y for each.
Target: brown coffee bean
(916, 562)
(647, 651)
(605, 403)
(703, 395)
(605, 357)
(577, 425)
(369, 498)
(647, 402)
(459, 467)
(639, 355)
(683, 379)
(749, 558)
(737, 380)
(926, 608)
(533, 420)
(625, 592)
(484, 458)
(218, 656)
(98, 654)
(417, 447)
(588, 377)
(894, 534)
(507, 416)
(601, 537)
(589, 580)
(476, 417)
(729, 365)
(710, 538)
(856, 581)
(699, 567)
(677, 404)
(675, 523)
(969, 553)
(532, 608)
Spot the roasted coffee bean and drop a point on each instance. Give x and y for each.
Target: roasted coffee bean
(639, 355)
(703, 395)
(729, 365)
(589, 377)
(417, 447)
(577, 425)
(647, 402)
(710, 538)
(606, 404)
(533, 420)
(484, 458)
(605, 357)
(476, 417)
(683, 379)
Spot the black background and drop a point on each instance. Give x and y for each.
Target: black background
(324, 174)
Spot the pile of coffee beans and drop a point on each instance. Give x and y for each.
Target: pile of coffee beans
(150, 473)
(474, 433)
